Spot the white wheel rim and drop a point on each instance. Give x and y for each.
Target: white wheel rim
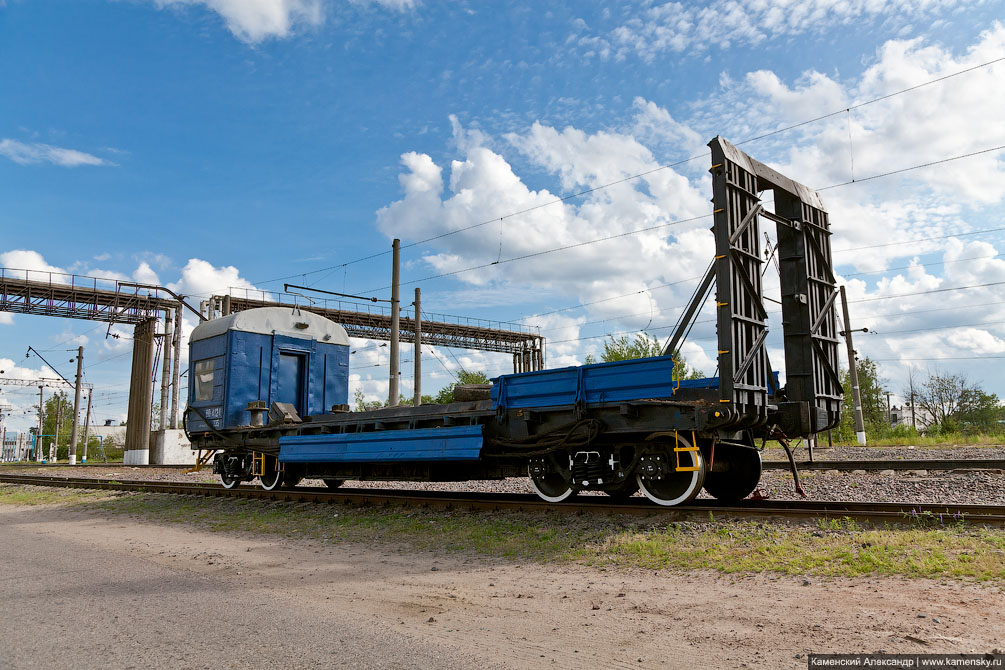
(275, 483)
(692, 489)
(544, 496)
(229, 484)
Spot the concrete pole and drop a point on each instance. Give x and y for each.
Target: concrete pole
(137, 447)
(166, 371)
(176, 371)
(417, 354)
(76, 407)
(853, 372)
(54, 449)
(38, 436)
(87, 424)
(392, 387)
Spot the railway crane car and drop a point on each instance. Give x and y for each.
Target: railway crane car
(269, 386)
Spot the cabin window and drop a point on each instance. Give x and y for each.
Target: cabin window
(204, 380)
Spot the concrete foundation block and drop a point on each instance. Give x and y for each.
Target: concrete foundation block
(171, 447)
(136, 457)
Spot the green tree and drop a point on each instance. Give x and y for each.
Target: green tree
(952, 403)
(873, 394)
(364, 405)
(61, 404)
(643, 346)
(446, 394)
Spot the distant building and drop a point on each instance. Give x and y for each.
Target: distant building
(14, 447)
(910, 415)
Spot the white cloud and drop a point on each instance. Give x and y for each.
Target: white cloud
(691, 27)
(36, 152)
(930, 123)
(202, 279)
(26, 259)
(942, 120)
(144, 274)
(481, 185)
(253, 21)
(396, 5)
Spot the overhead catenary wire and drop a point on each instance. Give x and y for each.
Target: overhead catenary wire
(535, 254)
(639, 175)
(550, 251)
(913, 167)
(626, 316)
(696, 218)
(918, 265)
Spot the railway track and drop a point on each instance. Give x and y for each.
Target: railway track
(897, 465)
(934, 514)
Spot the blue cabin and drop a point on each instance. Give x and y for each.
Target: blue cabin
(270, 354)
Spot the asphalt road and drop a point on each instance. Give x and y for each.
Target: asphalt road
(66, 604)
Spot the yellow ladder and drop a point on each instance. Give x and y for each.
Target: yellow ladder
(677, 452)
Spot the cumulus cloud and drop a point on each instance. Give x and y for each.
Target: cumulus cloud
(253, 21)
(931, 123)
(35, 152)
(26, 259)
(396, 5)
(480, 185)
(940, 210)
(144, 274)
(202, 279)
(676, 27)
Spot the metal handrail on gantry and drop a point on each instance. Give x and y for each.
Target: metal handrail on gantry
(374, 323)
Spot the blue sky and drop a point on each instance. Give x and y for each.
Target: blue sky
(208, 144)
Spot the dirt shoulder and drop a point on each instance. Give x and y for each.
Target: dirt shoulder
(528, 613)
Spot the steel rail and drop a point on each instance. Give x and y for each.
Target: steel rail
(844, 466)
(902, 512)
(898, 464)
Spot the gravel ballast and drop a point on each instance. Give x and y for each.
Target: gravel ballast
(960, 486)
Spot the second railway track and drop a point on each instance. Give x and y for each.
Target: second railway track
(888, 512)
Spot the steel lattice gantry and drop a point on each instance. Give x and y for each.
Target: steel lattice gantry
(111, 301)
(527, 348)
(75, 297)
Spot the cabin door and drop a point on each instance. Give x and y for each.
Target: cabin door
(293, 380)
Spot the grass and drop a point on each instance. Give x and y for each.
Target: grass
(919, 441)
(41, 495)
(934, 441)
(955, 552)
(838, 548)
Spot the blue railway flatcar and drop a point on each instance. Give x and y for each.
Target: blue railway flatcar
(612, 427)
(616, 427)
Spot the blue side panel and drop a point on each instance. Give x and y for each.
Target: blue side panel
(249, 353)
(213, 349)
(457, 443)
(636, 379)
